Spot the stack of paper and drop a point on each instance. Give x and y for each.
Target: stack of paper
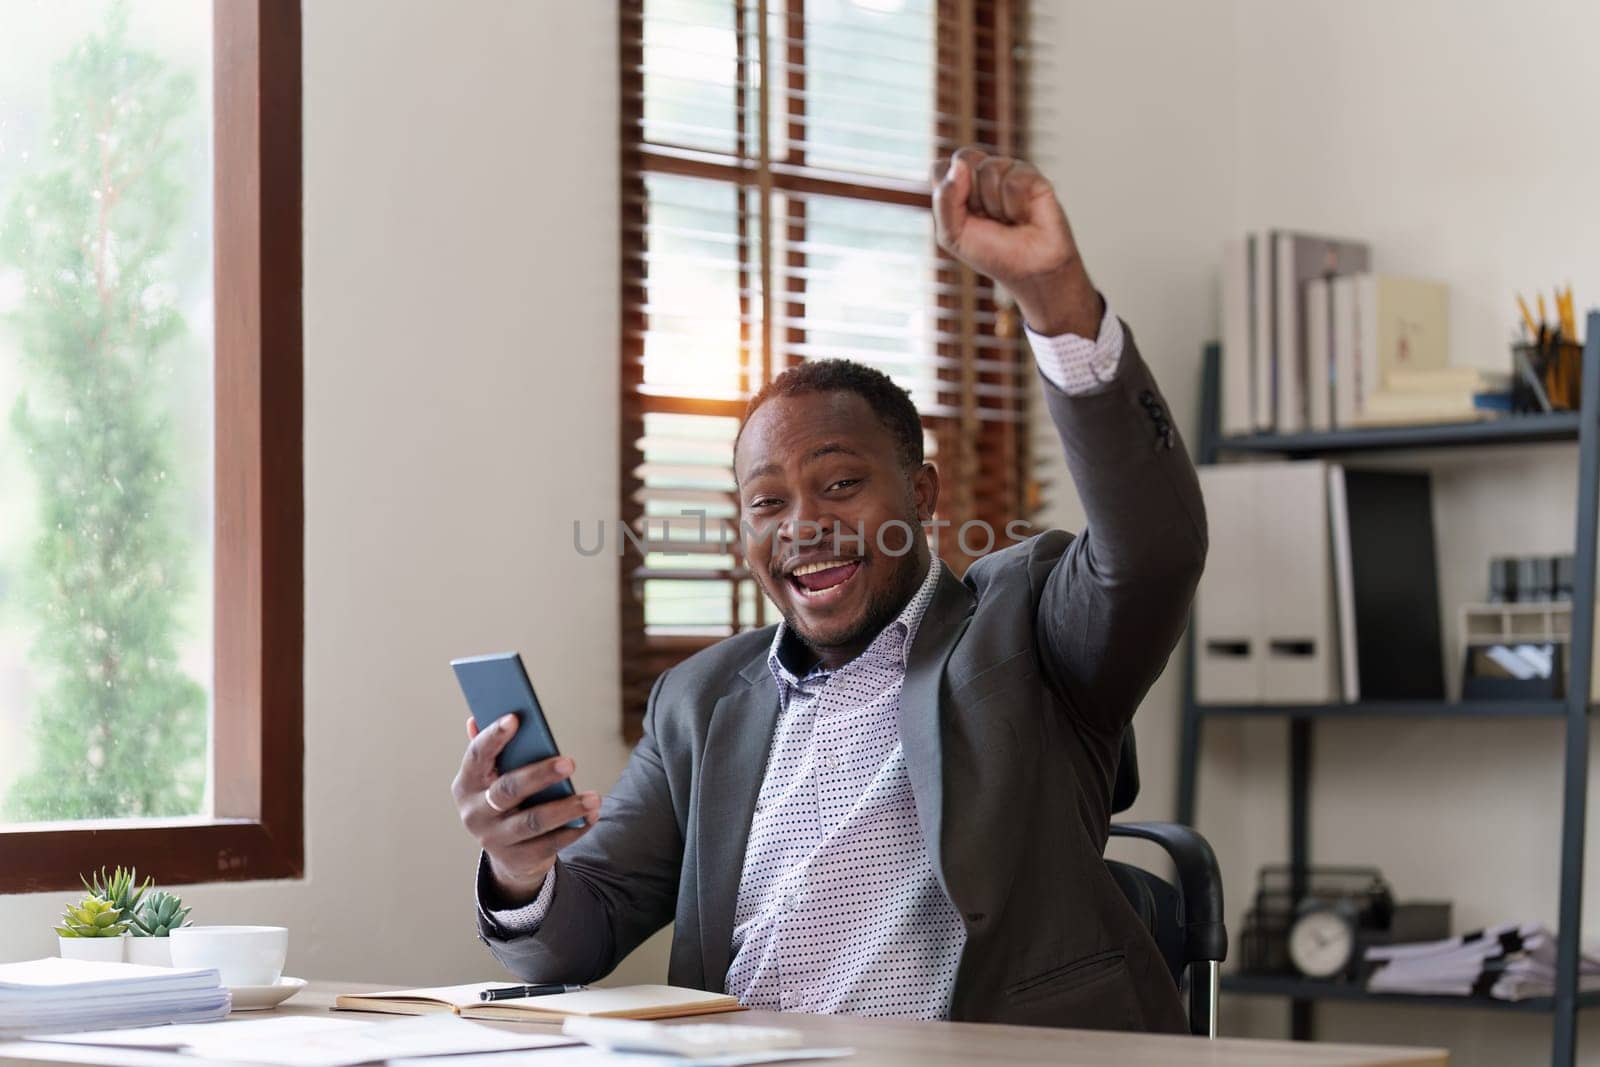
(42, 996)
(1513, 961)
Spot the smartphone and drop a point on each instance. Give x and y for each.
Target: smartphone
(497, 685)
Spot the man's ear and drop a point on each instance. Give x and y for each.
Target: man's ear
(925, 490)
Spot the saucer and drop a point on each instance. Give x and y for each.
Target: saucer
(262, 997)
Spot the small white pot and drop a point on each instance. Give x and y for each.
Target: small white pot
(99, 949)
(150, 951)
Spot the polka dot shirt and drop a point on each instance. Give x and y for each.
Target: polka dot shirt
(839, 909)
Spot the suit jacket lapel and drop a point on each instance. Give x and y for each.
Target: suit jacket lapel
(942, 626)
(738, 741)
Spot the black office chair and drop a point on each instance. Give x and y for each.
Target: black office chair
(1186, 919)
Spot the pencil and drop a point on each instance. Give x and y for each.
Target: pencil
(1527, 317)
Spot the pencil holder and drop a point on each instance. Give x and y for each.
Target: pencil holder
(1556, 367)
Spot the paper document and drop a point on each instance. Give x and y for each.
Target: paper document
(1513, 961)
(429, 1035)
(54, 977)
(594, 1057)
(212, 1039)
(316, 1041)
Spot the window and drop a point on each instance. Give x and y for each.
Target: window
(150, 472)
(775, 209)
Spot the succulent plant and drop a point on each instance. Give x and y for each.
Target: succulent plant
(159, 915)
(92, 917)
(117, 890)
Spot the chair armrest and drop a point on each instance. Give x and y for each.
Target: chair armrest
(1204, 935)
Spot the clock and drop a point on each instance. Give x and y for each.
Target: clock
(1322, 941)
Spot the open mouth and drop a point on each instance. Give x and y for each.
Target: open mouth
(818, 583)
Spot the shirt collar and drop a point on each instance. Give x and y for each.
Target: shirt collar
(890, 648)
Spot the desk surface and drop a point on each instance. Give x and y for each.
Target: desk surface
(880, 1043)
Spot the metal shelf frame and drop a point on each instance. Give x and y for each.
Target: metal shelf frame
(1582, 426)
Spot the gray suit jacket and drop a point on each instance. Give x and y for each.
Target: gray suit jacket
(1020, 681)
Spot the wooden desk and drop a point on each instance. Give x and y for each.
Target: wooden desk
(878, 1043)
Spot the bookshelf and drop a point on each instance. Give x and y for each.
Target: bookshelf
(1512, 430)
(1310, 989)
(1581, 427)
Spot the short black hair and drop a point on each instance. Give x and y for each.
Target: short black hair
(889, 402)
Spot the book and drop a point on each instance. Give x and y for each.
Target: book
(1299, 258)
(1402, 325)
(1238, 391)
(1319, 354)
(1263, 367)
(1432, 394)
(1447, 379)
(620, 1002)
(1344, 350)
(1392, 408)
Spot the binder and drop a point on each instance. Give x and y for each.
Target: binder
(1388, 584)
(1265, 630)
(1299, 658)
(1227, 604)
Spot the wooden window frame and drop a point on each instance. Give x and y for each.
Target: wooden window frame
(258, 829)
(984, 457)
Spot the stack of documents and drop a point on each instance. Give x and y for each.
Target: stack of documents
(42, 996)
(1513, 961)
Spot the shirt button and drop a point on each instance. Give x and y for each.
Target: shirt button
(789, 901)
(788, 999)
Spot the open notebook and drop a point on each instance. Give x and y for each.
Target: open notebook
(621, 1002)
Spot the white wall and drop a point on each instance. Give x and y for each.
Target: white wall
(1416, 125)
(1137, 167)
(460, 383)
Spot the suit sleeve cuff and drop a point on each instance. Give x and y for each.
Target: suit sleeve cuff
(1079, 366)
(514, 922)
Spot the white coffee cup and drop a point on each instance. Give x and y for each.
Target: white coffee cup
(244, 955)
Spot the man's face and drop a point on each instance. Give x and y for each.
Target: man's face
(814, 472)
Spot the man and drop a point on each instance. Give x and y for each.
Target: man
(896, 801)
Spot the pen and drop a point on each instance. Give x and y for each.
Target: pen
(512, 992)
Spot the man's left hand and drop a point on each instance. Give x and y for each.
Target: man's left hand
(1000, 216)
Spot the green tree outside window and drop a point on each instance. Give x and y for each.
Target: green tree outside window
(119, 728)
